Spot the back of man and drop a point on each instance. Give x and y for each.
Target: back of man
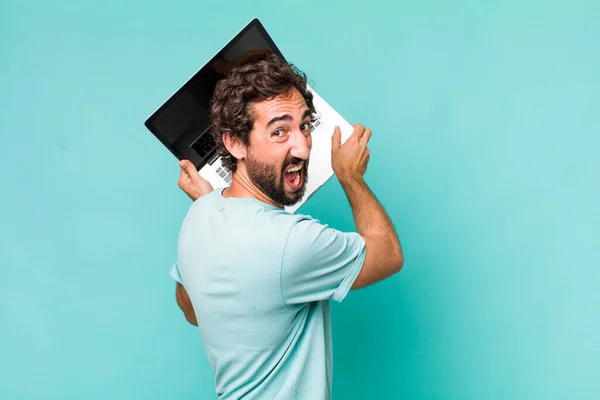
(260, 280)
(256, 280)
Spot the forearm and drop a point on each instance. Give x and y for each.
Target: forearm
(185, 304)
(371, 220)
(369, 216)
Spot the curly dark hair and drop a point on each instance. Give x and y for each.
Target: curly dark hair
(252, 82)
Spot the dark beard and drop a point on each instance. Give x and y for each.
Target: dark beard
(264, 176)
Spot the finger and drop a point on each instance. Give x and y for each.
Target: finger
(336, 139)
(183, 178)
(188, 168)
(182, 172)
(366, 136)
(358, 131)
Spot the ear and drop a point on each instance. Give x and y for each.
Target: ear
(235, 146)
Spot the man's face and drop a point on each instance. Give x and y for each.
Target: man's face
(279, 147)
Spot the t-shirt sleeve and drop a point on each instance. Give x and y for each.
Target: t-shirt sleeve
(175, 273)
(319, 262)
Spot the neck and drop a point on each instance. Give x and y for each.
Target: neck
(242, 187)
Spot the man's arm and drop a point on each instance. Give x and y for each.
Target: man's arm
(195, 187)
(383, 251)
(184, 302)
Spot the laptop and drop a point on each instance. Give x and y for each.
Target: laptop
(182, 123)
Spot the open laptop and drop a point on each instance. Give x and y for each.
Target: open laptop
(182, 123)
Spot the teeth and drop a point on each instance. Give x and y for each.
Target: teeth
(297, 181)
(296, 168)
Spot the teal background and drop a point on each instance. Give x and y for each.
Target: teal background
(485, 152)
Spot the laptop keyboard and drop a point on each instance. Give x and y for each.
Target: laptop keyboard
(225, 174)
(205, 145)
(315, 125)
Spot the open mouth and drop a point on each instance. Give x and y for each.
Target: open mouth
(294, 175)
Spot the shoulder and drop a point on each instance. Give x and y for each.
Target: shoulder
(292, 231)
(308, 227)
(208, 199)
(204, 202)
(309, 237)
(295, 224)
(201, 207)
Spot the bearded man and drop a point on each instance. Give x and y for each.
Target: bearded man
(255, 279)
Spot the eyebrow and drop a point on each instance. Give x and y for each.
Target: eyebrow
(286, 117)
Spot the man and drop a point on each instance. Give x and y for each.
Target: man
(255, 279)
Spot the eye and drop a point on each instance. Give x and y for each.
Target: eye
(279, 135)
(306, 126)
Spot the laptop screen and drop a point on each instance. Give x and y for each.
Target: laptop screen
(182, 123)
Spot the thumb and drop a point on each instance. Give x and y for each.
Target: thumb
(187, 167)
(336, 139)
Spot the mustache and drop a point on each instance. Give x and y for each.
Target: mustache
(290, 161)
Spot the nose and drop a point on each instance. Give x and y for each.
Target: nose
(301, 145)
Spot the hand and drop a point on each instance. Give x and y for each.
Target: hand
(350, 160)
(191, 182)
